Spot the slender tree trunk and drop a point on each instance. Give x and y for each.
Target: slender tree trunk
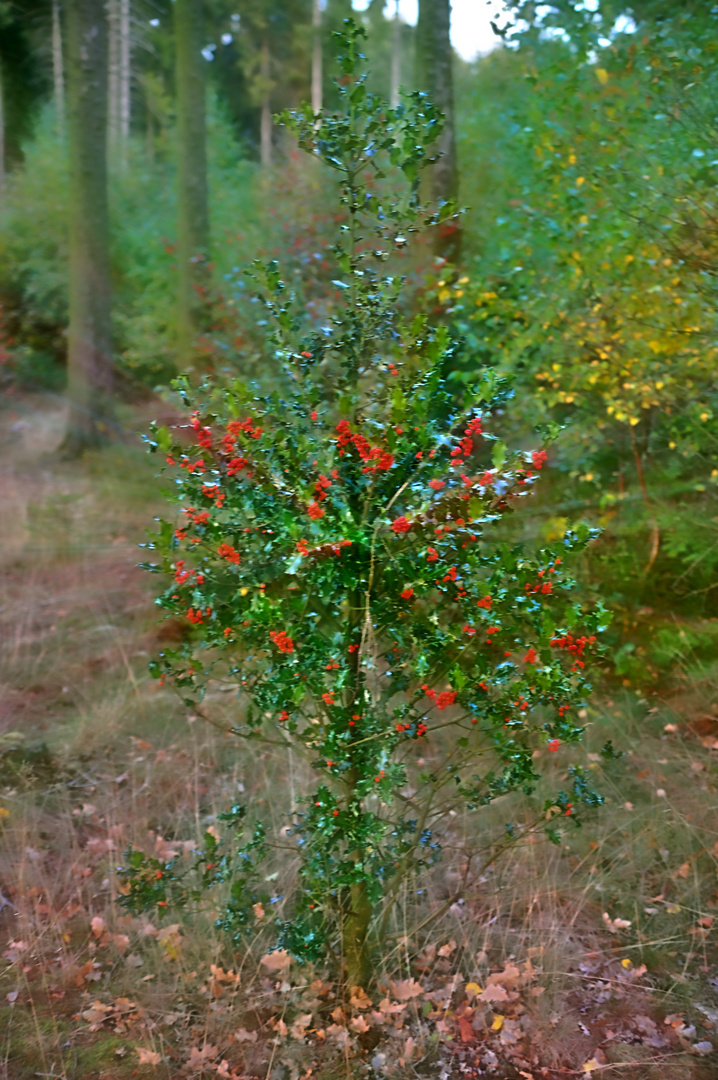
(2, 134)
(58, 74)
(434, 73)
(395, 58)
(266, 114)
(90, 374)
(193, 215)
(113, 78)
(317, 58)
(355, 936)
(124, 73)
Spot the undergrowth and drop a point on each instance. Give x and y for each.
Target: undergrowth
(539, 971)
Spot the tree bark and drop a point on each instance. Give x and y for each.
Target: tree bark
(58, 74)
(124, 74)
(90, 371)
(395, 58)
(193, 214)
(266, 113)
(2, 134)
(317, 57)
(434, 76)
(113, 78)
(355, 936)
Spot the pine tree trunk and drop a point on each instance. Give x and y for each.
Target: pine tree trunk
(124, 78)
(266, 113)
(317, 58)
(58, 74)
(395, 58)
(193, 215)
(434, 75)
(90, 373)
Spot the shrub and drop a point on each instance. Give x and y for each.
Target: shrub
(333, 560)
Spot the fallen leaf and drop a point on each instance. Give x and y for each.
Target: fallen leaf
(471, 990)
(198, 1059)
(359, 999)
(299, 1027)
(279, 960)
(148, 1057)
(243, 1036)
(359, 1024)
(406, 989)
(494, 992)
(98, 926)
(498, 1022)
(466, 1031)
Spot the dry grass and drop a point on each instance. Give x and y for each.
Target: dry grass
(96, 756)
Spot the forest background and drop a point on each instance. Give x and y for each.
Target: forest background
(584, 269)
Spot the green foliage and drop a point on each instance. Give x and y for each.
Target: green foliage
(593, 286)
(334, 557)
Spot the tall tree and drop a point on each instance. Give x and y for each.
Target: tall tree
(395, 57)
(90, 370)
(118, 13)
(2, 132)
(316, 56)
(434, 75)
(193, 214)
(58, 73)
(265, 128)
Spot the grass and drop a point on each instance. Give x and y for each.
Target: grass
(94, 755)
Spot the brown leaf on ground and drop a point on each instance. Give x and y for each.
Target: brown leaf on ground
(276, 961)
(148, 1057)
(406, 989)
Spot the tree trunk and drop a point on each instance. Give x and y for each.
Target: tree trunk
(317, 58)
(434, 71)
(395, 58)
(266, 114)
(355, 936)
(2, 134)
(90, 374)
(58, 75)
(118, 17)
(124, 74)
(113, 78)
(193, 215)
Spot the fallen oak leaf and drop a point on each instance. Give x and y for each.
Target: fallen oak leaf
(279, 960)
(359, 999)
(148, 1057)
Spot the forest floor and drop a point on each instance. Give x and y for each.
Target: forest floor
(594, 958)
